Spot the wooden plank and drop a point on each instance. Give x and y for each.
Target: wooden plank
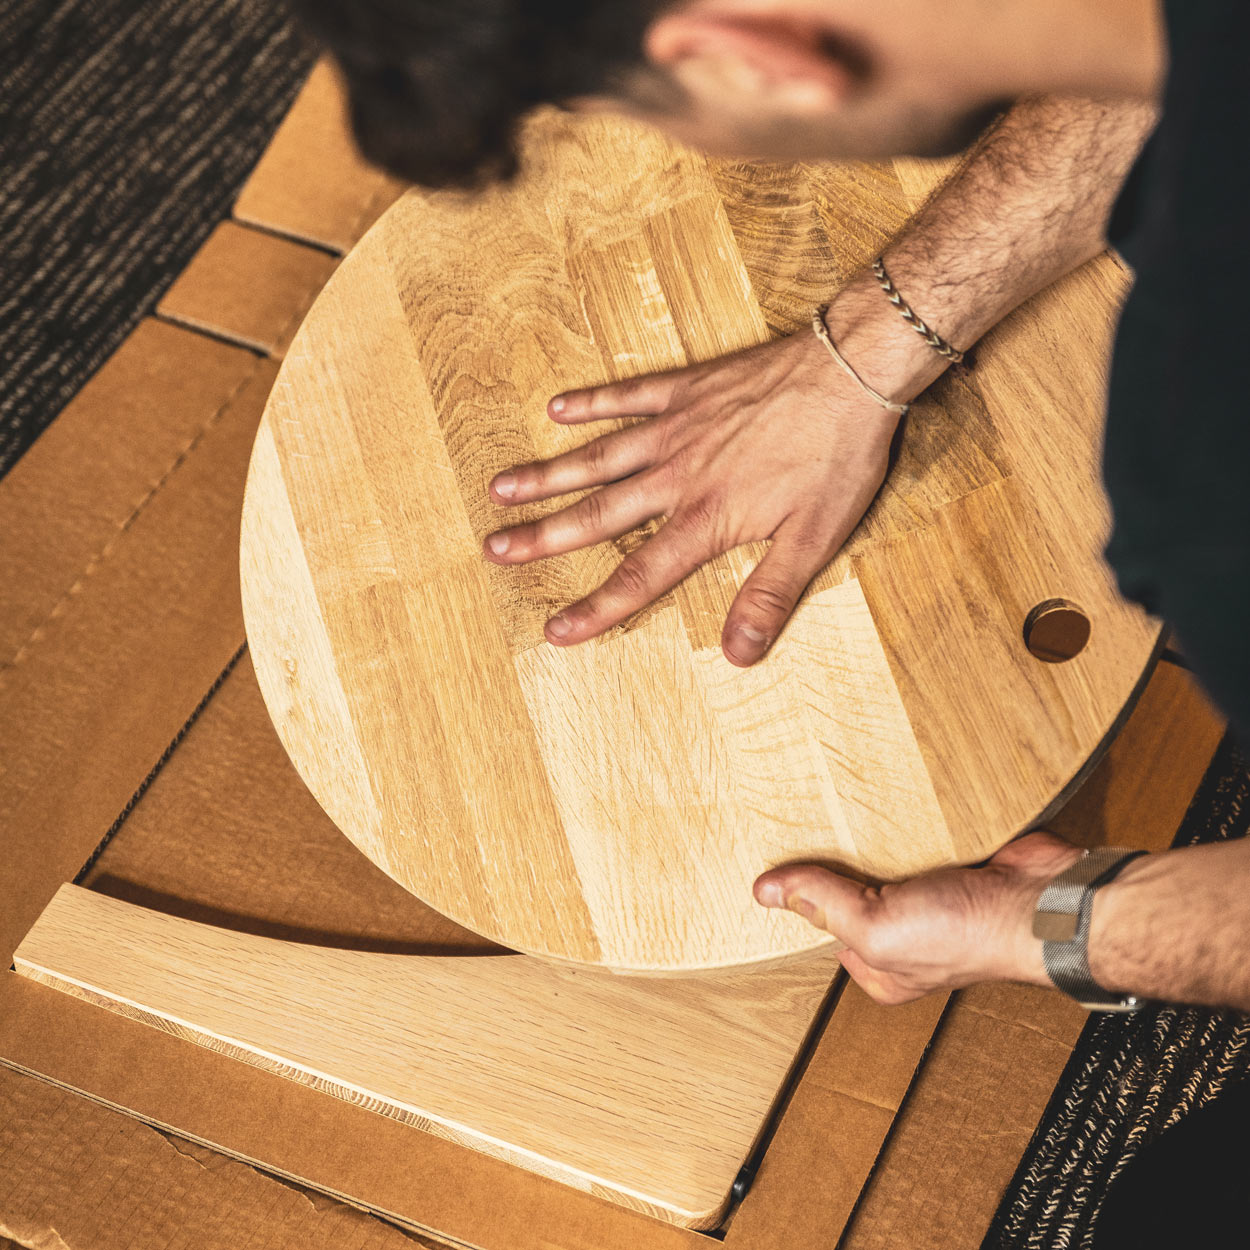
(656, 1106)
(248, 287)
(312, 183)
(298, 1132)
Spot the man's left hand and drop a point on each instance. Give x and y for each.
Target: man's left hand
(940, 931)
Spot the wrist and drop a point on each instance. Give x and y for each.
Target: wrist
(1024, 960)
(884, 350)
(1110, 903)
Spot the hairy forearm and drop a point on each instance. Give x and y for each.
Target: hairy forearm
(1176, 926)
(1173, 926)
(1028, 205)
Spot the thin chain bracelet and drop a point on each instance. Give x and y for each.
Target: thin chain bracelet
(822, 333)
(930, 336)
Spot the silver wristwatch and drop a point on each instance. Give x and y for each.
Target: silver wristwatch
(1062, 918)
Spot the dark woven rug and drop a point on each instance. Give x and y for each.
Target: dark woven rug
(126, 129)
(1130, 1077)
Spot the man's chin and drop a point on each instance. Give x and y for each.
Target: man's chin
(956, 136)
(910, 131)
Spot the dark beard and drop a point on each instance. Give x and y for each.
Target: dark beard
(963, 131)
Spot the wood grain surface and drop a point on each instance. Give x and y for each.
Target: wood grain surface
(611, 803)
(650, 1092)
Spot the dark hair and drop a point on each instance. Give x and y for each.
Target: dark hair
(438, 89)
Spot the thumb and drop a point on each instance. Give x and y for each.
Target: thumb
(764, 603)
(830, 902)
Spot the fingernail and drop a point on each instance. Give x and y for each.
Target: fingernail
(559, 626)
(557, 404)
(770, 895)
(498, 543)
(505, 485)
(743, 646)
(797, 903)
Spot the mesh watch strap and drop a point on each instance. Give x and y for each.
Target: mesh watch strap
(1062, 920)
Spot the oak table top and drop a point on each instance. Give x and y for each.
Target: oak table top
(611, 803)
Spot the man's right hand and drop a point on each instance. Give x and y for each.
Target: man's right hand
(776, 442)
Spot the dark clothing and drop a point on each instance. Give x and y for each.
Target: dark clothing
(1177, 451)
(1187, 1188)
(1176, 462)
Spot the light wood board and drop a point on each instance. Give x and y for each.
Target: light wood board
(611, 803)
(650, 1092)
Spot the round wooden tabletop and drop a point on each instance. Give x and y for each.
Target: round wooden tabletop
(611, 803)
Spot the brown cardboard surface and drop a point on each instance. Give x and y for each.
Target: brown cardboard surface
(133, 622)
(81, 1177)
(311, 183)
(249, 287)
(123, 587)
(118, 611)
(838, 1117)
(117, 665)
(69, 501)
(834, 1115)
(956, 1146)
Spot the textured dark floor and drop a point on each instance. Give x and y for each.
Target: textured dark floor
(1129, 1076)
(126, 128)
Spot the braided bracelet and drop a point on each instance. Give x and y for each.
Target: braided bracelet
(822, 333)
(930, 336)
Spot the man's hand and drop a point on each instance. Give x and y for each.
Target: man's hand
(772, 443)
(941, 931)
